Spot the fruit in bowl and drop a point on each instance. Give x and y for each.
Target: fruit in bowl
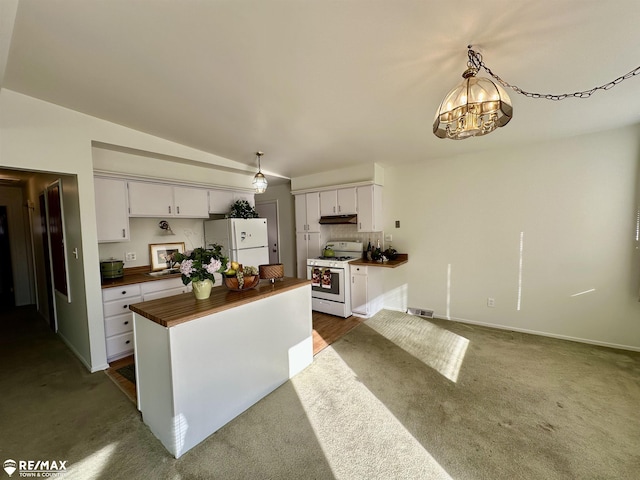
(241, 278)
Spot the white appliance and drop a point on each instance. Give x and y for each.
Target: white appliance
(330, 287)
(243, 240)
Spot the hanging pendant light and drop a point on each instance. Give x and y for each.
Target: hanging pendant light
(259, 181)
(475, 107)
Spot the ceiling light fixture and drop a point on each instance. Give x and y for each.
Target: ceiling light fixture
(478, 106)
(259, 181)
(475, 107)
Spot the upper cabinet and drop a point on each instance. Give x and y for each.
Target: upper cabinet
(338, 202)
(160, 200)
(307, 207)
(369, 208)
(150, 199)
(220, 201)
(191, 202)
(111, 209)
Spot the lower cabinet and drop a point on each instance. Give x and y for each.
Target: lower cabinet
(308, 245)
(366, 290)
(118, 319)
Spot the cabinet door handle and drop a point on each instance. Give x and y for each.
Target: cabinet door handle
(123, 234)
(124, 292)
(127, 322)
(339, 209)
(334, 209)
(178, 210)
(125, 306)
(128, 342)
(169, 208)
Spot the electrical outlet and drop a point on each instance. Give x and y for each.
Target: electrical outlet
(130, 256)
(388, 237)
(491, 302)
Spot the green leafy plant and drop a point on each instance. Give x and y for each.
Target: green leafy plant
(242, 209)
(201, 263)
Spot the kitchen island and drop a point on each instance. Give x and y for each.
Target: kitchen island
(200, 363)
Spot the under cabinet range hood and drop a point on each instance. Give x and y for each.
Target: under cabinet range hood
(339, 220)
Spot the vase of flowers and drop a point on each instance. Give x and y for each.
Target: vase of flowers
(198, 266)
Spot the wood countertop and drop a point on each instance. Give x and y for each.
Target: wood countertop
(400, 260)
(135, 275)
(171, 311)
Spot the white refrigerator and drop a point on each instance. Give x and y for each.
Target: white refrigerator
(243, 240)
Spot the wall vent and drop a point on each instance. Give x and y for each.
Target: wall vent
(420, 312)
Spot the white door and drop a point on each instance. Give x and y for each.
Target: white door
(269, 210)
(249, 233)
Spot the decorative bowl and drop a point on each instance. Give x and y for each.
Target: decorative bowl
(250, 281)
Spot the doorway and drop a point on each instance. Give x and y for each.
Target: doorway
(7, 297)
(269, 210)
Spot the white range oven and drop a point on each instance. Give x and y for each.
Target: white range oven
(330, 285)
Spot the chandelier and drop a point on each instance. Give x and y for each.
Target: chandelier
(259, 181)
(478, 106)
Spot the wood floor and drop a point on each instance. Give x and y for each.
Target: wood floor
(326, 330)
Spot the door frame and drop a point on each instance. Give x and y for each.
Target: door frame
(276, 222)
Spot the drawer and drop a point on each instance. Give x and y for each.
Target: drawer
(165, 293)
(126, 291)
(159, 285)
(120, 344)
(358, 270)
(119, 306)
(118, 324)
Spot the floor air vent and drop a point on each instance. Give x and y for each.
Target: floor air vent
(420, 312)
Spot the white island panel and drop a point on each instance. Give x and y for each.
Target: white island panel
(219, 365)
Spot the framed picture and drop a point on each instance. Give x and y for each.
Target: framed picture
(160, 254)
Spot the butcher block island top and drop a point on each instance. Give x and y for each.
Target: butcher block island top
(171, 311)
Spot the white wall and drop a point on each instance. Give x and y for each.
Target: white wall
(573, 201)
(37, 135)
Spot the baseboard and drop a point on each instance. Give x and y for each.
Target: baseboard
(542, 334)
(75, 352)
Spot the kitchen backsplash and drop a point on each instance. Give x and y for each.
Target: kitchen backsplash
(350, 233)
(145, 231)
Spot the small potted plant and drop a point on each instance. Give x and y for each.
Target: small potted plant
(242, 209)
(198, 266)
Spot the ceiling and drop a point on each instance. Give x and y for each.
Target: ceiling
(322, 84)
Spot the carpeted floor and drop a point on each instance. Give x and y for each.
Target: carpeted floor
(397, 397)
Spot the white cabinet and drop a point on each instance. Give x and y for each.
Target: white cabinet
(308, 245)
(249, 197)
(160, 200)
(369, 208)
(367, 297)
(307, 207)
(191, 202)
(111, 209)
(118, 319)
(150, 199)
(338, 202)
(220, 201)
